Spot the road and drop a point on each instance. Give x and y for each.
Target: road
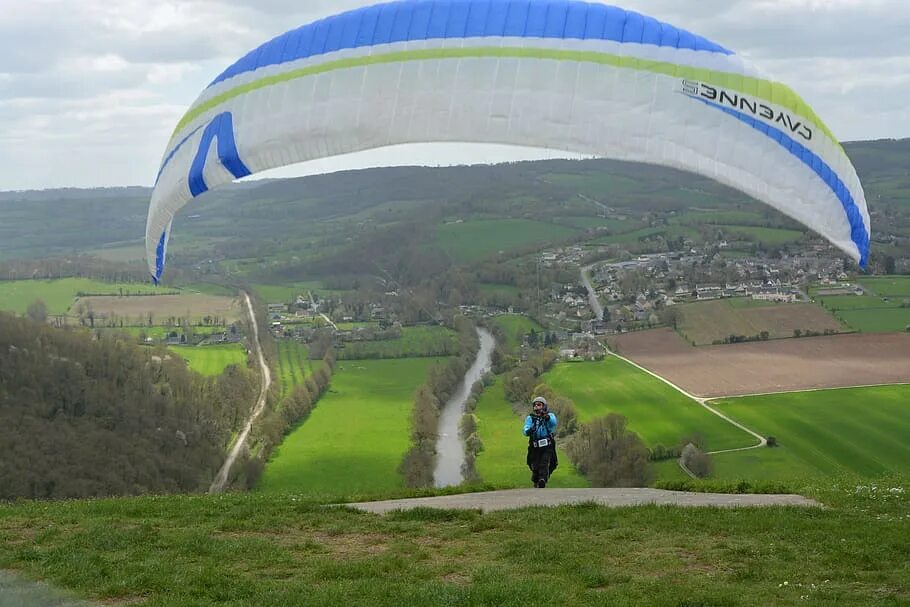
(221, 478)
(592, 294)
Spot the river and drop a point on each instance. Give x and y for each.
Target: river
(449, 449)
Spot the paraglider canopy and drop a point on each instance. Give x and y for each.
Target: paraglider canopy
(556, 74)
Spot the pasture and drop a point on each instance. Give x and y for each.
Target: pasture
(515, 327)
(471, 241)
(888, 286)
(211, 360)
(872, 314)
(58, 295)
(863, 432)
(502, 461)
(708, 322)
(765, 236)
(358, 434)
(430, 340)
(658, 413)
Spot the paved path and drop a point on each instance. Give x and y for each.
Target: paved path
(520, 498)
(18, 592)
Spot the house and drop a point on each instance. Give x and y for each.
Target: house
(277, 308)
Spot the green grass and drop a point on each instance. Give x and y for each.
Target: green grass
(888, 286)
(768, 236)
(414, 342)
(657, 412)
(287, 293)
(870, 314)
(725, 218)
(58, 295)
(502, 463)
(294, 365)
(356, 437)
(282, 550)
(504, 290)
(515, 327)
(211, 360)
(668, 232)
(859, 431)
(475, 240)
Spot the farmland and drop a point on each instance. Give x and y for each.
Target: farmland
(873, 313)
(859, 431)
(414, 342)
(775, 366)
(713, 321)
(356, 437)
(58, 295)
(502, 461)
(475, 240)
(294, 365)
(195, 307)
(211, 360)
(657, 412)
(515, 327)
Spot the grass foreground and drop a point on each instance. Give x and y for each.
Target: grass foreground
(281, 549)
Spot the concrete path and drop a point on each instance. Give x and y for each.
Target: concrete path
(17, 592)
(520, 498)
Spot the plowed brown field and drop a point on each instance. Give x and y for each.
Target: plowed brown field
(773, 366)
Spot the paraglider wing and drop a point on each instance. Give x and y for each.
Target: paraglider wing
(555, 74)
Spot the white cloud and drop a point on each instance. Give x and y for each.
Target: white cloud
(90, 89)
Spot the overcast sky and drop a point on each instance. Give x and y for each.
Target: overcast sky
(90, 90)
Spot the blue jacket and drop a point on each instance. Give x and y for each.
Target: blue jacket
(541, 431)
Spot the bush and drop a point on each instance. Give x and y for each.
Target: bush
(697, 461)
(610, 455)
(771, 441)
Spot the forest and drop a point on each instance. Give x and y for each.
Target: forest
(87, 414)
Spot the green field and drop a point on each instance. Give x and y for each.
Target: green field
(871, 314)
(504, 290)
(668, 232)
(888, 286)
(211, 360)
(294, 365)
(287, 293)
(356, 437)
(657, 412)
(502, 461)
(414, 342)
(58, 295)
(767, 236)
(857, 431)
(475, 240)
(515, 327)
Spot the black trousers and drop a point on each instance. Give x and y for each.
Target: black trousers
(542, 461)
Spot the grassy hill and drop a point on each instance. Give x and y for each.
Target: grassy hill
(357, 435)
(282, 549)
(823, 433)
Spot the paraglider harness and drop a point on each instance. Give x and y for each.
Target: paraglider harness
(538, 422)
(548, 442)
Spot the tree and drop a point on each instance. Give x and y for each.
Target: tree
(37, 311)
(697, 461)
(610, 455)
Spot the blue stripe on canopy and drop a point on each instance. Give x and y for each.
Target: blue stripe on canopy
(858, 233)
(436, 19)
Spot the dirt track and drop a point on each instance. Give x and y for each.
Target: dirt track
(773, 366)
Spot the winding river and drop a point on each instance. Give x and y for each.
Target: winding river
(450, 450)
